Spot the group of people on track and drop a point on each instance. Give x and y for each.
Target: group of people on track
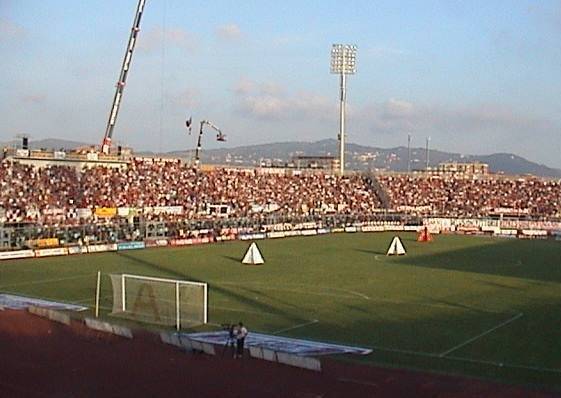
(238, 334)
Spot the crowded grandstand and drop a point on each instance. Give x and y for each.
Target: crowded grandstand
(169, 195)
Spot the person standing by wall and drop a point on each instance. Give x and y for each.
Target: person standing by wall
(240, 340)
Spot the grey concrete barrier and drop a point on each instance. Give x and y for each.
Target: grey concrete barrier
(99, 325)
(299, 362)
(39, 311)
(312, 364)
(175, 339)
(170, 338)
(122, 331)
(208, 349)
(165, 337)
(256, 352)
(197, 345)
(53, 315)
(186, 343)
(269, 355)
(283, 357)
(59, 317)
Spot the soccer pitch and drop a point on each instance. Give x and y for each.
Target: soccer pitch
(461, 304)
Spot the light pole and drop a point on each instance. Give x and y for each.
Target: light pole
(427, 154)
(343, 63)
(408, 153)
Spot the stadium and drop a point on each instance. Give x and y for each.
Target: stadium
(125, 274)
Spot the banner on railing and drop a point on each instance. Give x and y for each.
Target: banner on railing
(181, 242)
(102, 248)
(413, 228)
(126, 211)
(59, 251)
(252, 236)
(17, 254)
(275, 234)
(77, 249)
(372, 228)
(48, 242)
(156, 242)
(163, 210)
(83, 213)
(534, 232)
(106, 211)
(130, 245)
(393, 228)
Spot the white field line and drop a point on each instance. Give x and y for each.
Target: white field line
(465, 359)
(351, 293)
(63, 301)
(468, 341)
(503, 364)
(240, 310)
(39, 282)
(301, 325)
(84, 300)
(408, 352)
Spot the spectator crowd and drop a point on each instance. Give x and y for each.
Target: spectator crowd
(43, 195)
(469, 196)
(33, 194)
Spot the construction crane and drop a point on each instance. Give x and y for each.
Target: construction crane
(219, 137)
(106, 144)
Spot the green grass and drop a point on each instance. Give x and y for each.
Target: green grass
(411, 309)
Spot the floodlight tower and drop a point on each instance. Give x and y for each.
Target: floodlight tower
(343, 63)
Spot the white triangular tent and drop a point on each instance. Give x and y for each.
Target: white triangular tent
(396, 247)
(253, 255)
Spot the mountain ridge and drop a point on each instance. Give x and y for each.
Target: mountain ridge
(358, 157)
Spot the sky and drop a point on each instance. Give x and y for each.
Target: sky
(477, 77)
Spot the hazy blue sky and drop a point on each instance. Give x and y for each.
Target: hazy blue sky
(475, 76)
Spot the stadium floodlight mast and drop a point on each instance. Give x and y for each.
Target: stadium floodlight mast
(343, 63)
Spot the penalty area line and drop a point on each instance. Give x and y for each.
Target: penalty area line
(471, 340)
(301, 325)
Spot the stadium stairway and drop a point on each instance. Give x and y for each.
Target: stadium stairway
(377, 188)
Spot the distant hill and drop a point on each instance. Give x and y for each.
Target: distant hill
(359, 157)
(49, 143)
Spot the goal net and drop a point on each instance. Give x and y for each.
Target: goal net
(160, 301)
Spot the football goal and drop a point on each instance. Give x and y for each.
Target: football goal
(160, 301)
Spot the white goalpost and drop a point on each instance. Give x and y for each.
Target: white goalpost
(161, 301)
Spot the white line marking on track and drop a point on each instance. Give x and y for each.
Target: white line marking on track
(301, 325)
(468, 341)
(361, 382)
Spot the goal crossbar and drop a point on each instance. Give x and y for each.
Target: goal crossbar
(152, 278)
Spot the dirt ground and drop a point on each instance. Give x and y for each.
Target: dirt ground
(40, 358)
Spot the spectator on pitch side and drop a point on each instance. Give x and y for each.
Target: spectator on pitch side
(240, 340)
